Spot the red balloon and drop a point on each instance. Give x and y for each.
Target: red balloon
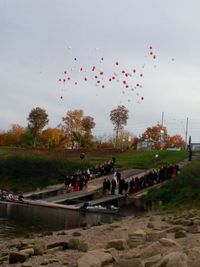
(61, 97)
(95, 76)
(126, 74)
(85, 78)
(151, 53)
(124, 82)
(127, 86)
(65, 72)
(75, 59)
(64, 80)
(93, 68)
(137, 84)
(81, 69)
(123, 71)
(110, 79)
(154, 57)
(98, 81)
(117, 63)
(103, 86)
(142, 98)
(150, 47)
(134, 70)
(101, 73)
(113, 77)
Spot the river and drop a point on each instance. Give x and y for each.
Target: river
(18, 220)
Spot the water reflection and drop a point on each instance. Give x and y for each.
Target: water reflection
(21, 219)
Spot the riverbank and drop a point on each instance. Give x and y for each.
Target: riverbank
(152, 239)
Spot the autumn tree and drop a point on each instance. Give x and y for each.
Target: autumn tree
(38, 119)
(157, 134)
(176, 141)
(119, 117)
(3, 138)
(78, 127)
(16, 134)
(88, 124)
(54, 138)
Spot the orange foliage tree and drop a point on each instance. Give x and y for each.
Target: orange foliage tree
(157, 135)
(176, 141)
(54, 138)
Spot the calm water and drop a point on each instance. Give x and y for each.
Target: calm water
(18, 220)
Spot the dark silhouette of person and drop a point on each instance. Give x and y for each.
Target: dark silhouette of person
(82, 155)
(113, 186)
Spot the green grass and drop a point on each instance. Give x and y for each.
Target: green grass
(26, 171)
(147, 159)
(182, 190)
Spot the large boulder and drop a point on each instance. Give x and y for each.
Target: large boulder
(39, 247)
(194, 257)
(137, 238)
(175, 228)
(167, 242)
(119, 244)
(63, 244)
(15, 257)
(180, 234)
(78, 243)
(129, 263)
(155, 235)
(95, 258)
(153, 249)
(173, 259)
(152, 260)
(29, 251)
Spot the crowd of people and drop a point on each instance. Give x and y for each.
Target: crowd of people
(7, 195)
(136, 184)
(79, 180)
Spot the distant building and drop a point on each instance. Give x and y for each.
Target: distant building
(195, 146)
(145, 145)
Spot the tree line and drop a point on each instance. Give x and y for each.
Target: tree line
(75, 131)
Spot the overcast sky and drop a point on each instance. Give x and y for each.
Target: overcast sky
(40, 40)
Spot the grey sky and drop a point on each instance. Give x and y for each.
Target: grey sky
(35, 35)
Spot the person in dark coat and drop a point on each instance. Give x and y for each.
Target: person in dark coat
(113, 186)
(132, 186)
(107, 185)
(118, 175)
(121, 186)
(104, 186)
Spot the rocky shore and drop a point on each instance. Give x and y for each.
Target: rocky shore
(151, 240)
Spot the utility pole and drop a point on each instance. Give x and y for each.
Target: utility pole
(161, 131)
(186, 133)
(162, 120)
